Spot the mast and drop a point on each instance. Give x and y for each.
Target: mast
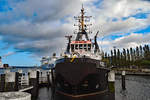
(82, 18)
(82, 25)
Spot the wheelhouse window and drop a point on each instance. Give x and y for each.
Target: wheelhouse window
(85, 47)
(80, 46)
(76, 46)
(72, 47)
(89, 47)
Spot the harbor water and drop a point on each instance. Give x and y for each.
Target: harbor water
(137, 88)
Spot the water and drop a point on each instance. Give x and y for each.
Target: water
(44, 94)
(137, 88)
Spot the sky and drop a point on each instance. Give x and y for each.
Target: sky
(30, 29)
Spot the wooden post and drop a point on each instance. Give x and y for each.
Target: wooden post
(17, 81)
(37, 77)
(48, 79)
(53, 83)
(33, 79)
(52, 73)
(2, 82)
(123, 80)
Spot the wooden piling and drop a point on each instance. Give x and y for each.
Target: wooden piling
(123, 80)
(48, 79)
(17, 81)
(33, 81)
(37, 77)
(53, 83)
(2, 82)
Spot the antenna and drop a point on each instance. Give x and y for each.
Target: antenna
(82, 6)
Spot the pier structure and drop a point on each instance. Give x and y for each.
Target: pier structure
(18, 81)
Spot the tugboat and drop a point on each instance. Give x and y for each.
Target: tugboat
(80, 73)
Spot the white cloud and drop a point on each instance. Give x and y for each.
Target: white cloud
(39, 27)
(132, 40)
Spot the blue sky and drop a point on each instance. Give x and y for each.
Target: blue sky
(30, 29)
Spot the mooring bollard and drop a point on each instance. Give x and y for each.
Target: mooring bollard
(123, 80)
(111, 84)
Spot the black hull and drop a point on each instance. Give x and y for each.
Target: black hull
(81, 77)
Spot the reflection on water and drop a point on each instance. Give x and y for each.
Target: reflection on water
(137, 88)
(44, 94)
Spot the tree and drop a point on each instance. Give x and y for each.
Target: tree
(115, 57)
(124, 56)
(137, 53)
(112, 60)
(141, 52)
(131, 55)
(118, 57)
(128, 57)
(121, 59)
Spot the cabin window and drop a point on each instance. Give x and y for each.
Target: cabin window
(89, 47)
(80, 46)
(85, 47)
(72, 47)
(76, 46)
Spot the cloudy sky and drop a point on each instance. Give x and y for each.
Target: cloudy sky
(30, 29)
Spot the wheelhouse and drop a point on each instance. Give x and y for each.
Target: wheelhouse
(81, 46)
